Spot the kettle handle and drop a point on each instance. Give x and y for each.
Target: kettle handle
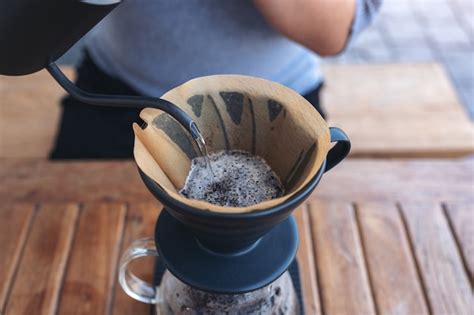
(340, 150)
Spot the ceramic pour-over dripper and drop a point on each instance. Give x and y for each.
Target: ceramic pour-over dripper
(242, 248)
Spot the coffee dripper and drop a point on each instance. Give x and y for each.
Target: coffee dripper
(229, 259)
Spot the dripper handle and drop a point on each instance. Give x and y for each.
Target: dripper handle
(340, 150)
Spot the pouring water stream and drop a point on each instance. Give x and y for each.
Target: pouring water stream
(201, 144)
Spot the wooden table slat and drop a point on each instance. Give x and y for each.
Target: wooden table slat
(40, 273)
(383, 114)
(444, 277)
(91, 273)
(461, 215)
(34, 101)
(392, 270)
(15, 222)
(352, 180)
(306, 263)
(139, 223)
(344, 285)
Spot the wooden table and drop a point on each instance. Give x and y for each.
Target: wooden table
(377, 237)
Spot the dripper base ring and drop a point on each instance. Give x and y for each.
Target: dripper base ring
(230, 274)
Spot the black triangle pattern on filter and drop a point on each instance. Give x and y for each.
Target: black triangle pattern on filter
(176, 133)
(195, 102)
(234, 103)
(274, 109)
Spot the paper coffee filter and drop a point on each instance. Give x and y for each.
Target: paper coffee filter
(234, 112)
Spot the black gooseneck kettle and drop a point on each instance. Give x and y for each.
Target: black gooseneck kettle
(35, 33)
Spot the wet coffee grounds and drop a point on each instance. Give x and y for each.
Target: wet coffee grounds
(239, 179)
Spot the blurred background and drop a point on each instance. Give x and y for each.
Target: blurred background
(410, 31)
(422, 31)
(407, 74)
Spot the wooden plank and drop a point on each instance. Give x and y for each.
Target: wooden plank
(390, 102)
(139, 223)
(444, 278)
(393, 180)
(306, 263)
(352, 180)
(461, 216)
(15, 222)
(40, 274)
(29, 114)
(71, 181)
(392, 270)
(90, 276)
(344, 285)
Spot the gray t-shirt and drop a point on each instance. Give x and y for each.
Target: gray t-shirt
(155, 45)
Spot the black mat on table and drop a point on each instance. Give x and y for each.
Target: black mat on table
(293, 269)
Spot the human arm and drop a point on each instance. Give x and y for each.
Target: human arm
(324, 26)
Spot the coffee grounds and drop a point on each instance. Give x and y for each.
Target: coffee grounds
(240, 179)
